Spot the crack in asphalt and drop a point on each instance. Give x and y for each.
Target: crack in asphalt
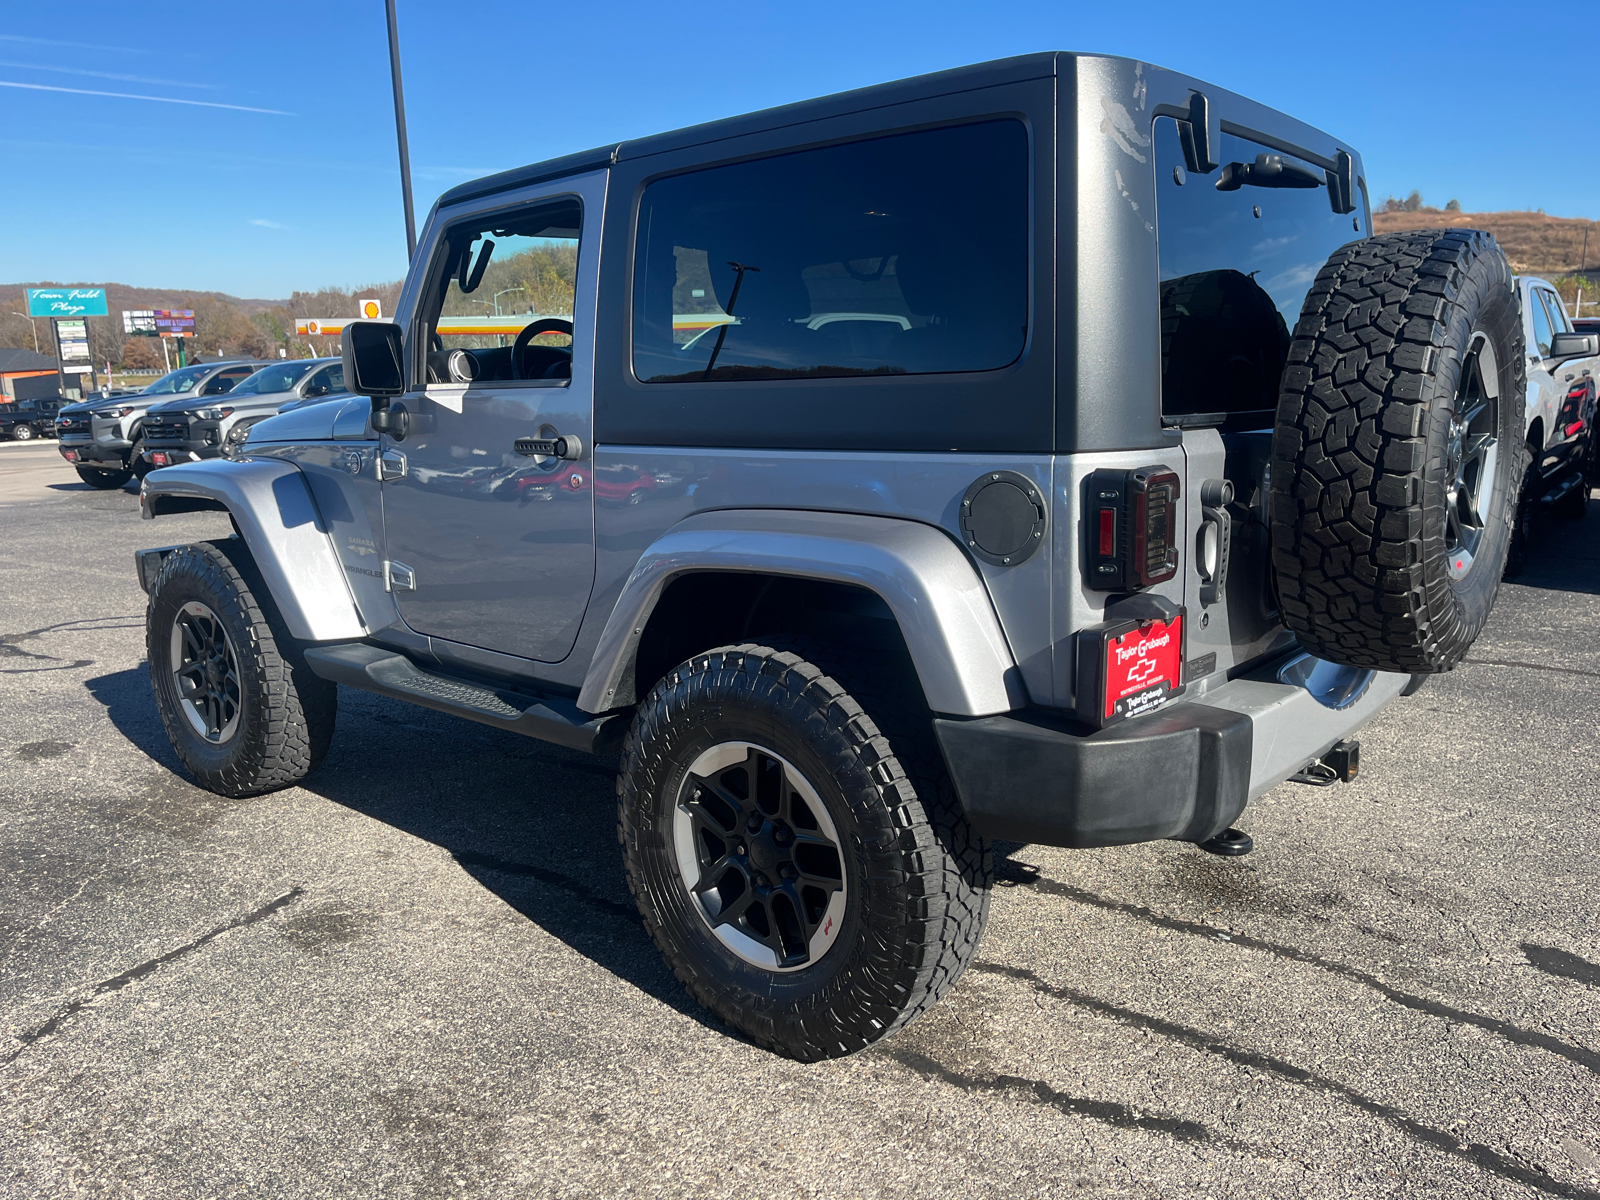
(1501, 662)
(133, 974)
(1588, 1059)
(10, 649)
(505, 866)
(1107, 1112)
(1485, 1157)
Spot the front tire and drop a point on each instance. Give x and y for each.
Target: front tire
(22, 433)
(104, 480)
(242, 709)
(804, 883)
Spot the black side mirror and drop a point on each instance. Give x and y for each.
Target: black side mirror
(374, 358)
(1574, 345)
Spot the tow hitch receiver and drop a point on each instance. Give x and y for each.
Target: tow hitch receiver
(1339, 765)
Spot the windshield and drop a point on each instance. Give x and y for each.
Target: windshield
(180, 380)
(279, 377)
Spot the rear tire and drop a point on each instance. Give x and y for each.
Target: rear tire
(104, 480)
(1394, 452)
(911, 897)
(243, 710)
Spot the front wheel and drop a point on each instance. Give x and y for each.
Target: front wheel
(22, 433)
(242, 709)
(104, 480)
(803, 882)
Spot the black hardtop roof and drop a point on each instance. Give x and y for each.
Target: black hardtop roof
(1042, 65)
(939, 83)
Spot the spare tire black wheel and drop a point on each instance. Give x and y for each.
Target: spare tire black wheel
(1395, 464)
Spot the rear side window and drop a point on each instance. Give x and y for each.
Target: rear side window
(900, 255)
(1235, 269)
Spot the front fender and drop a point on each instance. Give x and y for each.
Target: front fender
(272, 506)
(943, 609)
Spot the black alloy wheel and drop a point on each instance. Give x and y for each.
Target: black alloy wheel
(760, 855)
(1471, 455)
(205, 671)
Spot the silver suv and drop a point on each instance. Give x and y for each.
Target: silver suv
(867, 479)
(106, 450)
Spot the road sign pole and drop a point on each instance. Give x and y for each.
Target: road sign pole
(61, 374)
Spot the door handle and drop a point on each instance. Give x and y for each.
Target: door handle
(391, 465)
(566, 446)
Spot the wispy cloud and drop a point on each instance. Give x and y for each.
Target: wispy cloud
(44, 87)
(104, 75)
(266, 224)
(33, 41)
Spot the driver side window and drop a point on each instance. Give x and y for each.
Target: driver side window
(501, 297)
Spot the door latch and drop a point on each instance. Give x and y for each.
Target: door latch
(397, 577)
(565, 446)
(391, 465)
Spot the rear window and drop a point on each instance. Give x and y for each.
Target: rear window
(899, 255)
(1235, 269)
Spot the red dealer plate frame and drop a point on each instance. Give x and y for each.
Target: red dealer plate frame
(1142, 668)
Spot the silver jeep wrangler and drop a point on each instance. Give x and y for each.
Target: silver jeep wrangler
(1043, 450)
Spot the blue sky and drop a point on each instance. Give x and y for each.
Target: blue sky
(278, 170)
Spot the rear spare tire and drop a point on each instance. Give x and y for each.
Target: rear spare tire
(1395, 464)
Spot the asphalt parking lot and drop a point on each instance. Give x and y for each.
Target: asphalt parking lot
(421, 975)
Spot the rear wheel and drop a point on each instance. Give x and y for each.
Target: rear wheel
(801, 881)
(105, 480)
(243, 711)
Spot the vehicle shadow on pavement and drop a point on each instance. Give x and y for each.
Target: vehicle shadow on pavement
(1564, 556)
(130, 707)
(530, 822)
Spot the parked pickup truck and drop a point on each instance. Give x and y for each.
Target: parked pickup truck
(1044, 450)
(106, 449)
(24, 420)
(202, 426)
(1562, 454)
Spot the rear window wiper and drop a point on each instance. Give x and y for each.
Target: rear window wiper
(1268, 171)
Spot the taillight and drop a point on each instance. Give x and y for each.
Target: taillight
(1143, 503)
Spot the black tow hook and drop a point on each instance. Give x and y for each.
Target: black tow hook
(1339, 765)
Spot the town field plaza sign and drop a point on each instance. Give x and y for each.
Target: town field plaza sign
(66, 302)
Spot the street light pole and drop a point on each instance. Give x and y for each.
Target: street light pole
(400, 132)
(13, 312)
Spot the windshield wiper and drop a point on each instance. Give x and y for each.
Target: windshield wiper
(1268, 171)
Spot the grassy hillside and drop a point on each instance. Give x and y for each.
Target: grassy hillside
(1535, 243)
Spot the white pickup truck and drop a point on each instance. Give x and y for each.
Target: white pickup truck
(1561, 446)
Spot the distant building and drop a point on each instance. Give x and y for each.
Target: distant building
(26, 375)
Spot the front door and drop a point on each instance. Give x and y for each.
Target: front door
(485, 545)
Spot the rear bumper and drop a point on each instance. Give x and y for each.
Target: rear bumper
(1185, 772)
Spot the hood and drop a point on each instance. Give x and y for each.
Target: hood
(193, 404)
(176, 403)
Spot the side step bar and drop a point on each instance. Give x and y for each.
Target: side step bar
(374, 669)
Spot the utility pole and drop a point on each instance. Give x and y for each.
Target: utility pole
(400, 133)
